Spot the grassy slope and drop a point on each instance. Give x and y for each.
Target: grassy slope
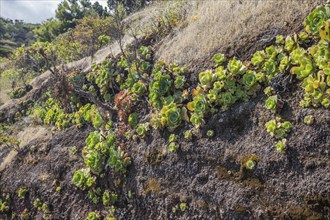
(236, 28)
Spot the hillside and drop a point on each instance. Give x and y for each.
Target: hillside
(13, 34)
(199, 110)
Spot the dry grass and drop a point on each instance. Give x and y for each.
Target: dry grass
(25, 136)
(229, 25)
(5, 88)
(32, 133)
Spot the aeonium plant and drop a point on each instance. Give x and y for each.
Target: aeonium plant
(171, 116)
(219, 59)
(236, 67)
(205, 79)
(249, 80)
(199, 105)
(316, 19)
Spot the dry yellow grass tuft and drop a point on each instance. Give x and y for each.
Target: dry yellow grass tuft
(227, 26)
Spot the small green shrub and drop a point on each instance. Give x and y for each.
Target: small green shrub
(219, 59)
(278, 129)
(197, 120)
(279, 39)
(169, 116)
(95, 161)
(188, 135)
(271, 103)
(205, 79)
(139, 88)
(172, 138)
(199, 105)
(133, 120)
(37, 204)
(316, 91)
(4, 207)
(210, 133)
(309, 119)
(183, 207)
(22, 192)
(83, 179)
(142, 129)
(250, 164)
(94, 195)
(316, 19)
(281, 145)
(173, 147)
(179, 82)
(236, 67)
(249, 80)
(93, 216)
(109, 198)
(117, 160)
(258, 58)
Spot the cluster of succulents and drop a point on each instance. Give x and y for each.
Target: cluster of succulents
(279, 129)
(101, 78)
(166, 85)
(52, 113)
(164, 88)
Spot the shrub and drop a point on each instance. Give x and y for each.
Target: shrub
(197, 120)
(258, 58)
(218, 59)
(249, 80)
(183, 207)
(142, 129)
(271, 103)
(205, 79)
(133, 120)
(173, 146)
(117, 160)
(188, 135)
(250, 164)
(171, 116)
(281, 145)
(199, 105)
(82, 178)
(289, 44)
(316, 18)
(179, 82)
(316, 91)
(4, 207)
(172, 138)
(210, 133)
(93, 216)
(236, 67)
(22, 192)
(95, 161)
(278, 129)
(309, 119)
(94, 195)
(109, 198)
(139, 88)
